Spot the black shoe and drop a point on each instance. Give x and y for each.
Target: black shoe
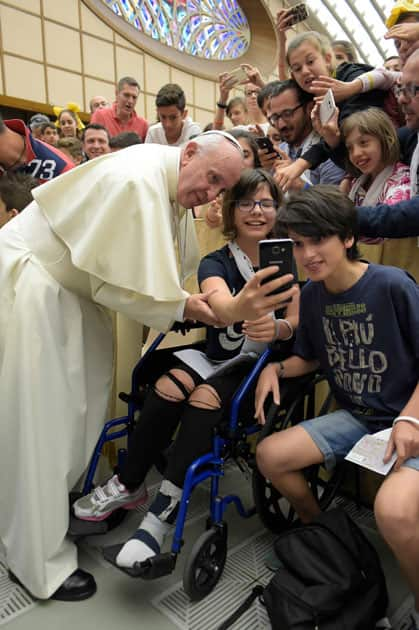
(78, 586)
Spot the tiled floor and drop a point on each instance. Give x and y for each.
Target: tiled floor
(123, 602)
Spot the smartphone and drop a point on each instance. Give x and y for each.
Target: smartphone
(277, 251)
(299, 13)
(327, 107)
(264, 142)
(236, 76)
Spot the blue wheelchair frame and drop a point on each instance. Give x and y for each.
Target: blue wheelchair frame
(107, 433)
(208, 466)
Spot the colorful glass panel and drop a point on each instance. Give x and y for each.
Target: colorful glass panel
(212, 29)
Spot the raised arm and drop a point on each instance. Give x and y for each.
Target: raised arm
(224, 88)
(252, 302)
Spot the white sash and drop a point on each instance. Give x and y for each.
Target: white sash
(245, 267)
(376, 188)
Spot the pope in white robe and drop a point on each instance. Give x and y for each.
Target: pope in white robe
(99, 237)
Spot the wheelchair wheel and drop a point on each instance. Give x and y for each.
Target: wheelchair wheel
(275, 511)
(205, 563)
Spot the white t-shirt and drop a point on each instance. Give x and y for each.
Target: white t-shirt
(157, 135)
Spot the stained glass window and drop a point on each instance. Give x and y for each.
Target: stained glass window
(212, 29)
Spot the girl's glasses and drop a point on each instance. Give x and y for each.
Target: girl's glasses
(248, 205)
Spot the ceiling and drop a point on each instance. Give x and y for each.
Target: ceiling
(360, 21)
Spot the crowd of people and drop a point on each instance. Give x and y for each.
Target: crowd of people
(115, 229)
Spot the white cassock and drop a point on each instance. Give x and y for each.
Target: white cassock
(101, 235)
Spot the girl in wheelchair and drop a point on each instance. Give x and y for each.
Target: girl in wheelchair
(193, 401)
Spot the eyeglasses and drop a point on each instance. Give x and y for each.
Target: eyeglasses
(248, 205)
(410, 90)
(286, 114)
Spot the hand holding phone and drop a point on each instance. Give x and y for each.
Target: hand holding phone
(279, 252)
(265, 143)
(238, 75)
(327, 107)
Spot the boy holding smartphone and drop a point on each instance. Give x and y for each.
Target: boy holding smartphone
(358, 323)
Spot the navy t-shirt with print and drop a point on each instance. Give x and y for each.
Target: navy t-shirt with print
(366, 340)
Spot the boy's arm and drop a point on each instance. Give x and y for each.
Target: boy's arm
(390, 221)
(268, 381)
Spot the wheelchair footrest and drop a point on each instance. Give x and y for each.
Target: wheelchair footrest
(79, 528)
(155, 567)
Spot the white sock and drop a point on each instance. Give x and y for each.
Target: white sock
(148, 540)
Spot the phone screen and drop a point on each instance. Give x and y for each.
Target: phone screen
(266, 143)
(279, 252)
(327, 107)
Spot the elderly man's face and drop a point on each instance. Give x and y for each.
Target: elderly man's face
(207, 171)
(408, 96)
(98, 102)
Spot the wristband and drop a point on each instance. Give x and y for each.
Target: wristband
(406, 419)
(222, 105)
(288, 325)
(306, 186)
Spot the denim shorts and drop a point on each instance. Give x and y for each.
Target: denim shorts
(336, 433)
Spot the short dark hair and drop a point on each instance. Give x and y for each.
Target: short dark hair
(96, 126)
(250, 180)
(289, 84)
(124, 139)
(48, 125)
(266, 92)
(403, 17)
(318, 212)
(128, 81)
(171, 94)
(242, 133)
(16, 190)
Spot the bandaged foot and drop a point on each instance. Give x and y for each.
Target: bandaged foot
(148, 540)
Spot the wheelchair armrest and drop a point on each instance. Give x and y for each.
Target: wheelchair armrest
(244, 388)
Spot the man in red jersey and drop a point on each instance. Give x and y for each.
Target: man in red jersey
(19, 150)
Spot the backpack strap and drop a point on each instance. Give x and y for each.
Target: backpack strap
(257, 591)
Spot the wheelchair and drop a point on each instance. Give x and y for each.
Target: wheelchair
(231, 441)
(275, 512)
